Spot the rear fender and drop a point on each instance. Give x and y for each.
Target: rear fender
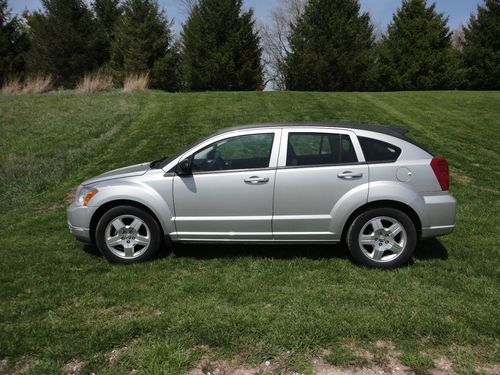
(399, 192)
(373, 192)
(346, 205)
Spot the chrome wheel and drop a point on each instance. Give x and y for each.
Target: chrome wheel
(382, 239)
(127, 236)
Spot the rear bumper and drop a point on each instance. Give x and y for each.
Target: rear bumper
(79, 221)
(441, 210)
(437, 231)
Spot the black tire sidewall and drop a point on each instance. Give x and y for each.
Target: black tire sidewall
(360, 221)
(154, 228)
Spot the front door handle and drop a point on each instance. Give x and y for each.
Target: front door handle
(348, 175)
(256, 179)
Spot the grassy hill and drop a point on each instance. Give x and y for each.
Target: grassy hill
(64, 308)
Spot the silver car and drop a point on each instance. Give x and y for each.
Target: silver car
(368, 185)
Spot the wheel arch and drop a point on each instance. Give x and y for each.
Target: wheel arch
(115, 203)
(412, 214)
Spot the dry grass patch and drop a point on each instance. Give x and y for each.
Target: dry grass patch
(73, 367)
(95, 82)
(492, 369)
(113, 356)
(38, 84)
(12, 86)
(136, 82)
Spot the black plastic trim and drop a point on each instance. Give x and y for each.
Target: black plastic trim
(321, 165)
(229, 171)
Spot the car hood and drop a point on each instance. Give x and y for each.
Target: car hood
(130, 171)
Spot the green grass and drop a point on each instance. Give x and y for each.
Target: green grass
(62, 303)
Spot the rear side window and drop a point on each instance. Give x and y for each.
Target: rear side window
(319, 148)
(378, 151)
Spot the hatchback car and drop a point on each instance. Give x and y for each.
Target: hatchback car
(368, 185)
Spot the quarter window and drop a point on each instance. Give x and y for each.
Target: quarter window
(241, 152)
(319, 148)
(378, 151)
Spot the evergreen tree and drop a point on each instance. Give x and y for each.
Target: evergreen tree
(13, 44)
(331, 48)
(143, 43)
(106, 14)
(63, 41)
(221, 48)
(416, 53)
(481, 49)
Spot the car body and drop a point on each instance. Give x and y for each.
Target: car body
(274, 183)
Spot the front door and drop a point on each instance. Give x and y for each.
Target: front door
(316, 170)
(229, 194)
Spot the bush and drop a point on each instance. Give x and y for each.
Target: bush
(12, 86)
(95, 82)
(38, 84)
(136, 82)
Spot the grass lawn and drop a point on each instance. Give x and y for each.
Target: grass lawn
(64, 308)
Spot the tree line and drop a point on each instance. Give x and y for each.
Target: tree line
(320, 45)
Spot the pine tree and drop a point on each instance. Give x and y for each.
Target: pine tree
(63, 41)
(481, 49)
(221, 49)
(416, 53)
(143, 43)
(331, 48)
(106, 14)
(13, 44)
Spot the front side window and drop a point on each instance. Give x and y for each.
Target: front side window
(241, 152)
(319, 148)
(378, 151)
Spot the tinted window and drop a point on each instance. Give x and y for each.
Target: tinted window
(378, 151)
(319, 148)
(242, 152)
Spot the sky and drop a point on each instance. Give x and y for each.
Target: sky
(381, 10)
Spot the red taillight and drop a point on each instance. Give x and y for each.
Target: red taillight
(440, 168)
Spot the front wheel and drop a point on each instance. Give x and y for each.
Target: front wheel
(382, 238)
(127, 234)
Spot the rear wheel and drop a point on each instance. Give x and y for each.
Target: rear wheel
(382, 238)
(127, 234)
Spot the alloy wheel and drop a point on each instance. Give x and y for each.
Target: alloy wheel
(127, 236)
(382, 239)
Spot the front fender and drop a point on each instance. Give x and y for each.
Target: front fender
(144, 194)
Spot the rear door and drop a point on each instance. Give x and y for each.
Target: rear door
(316, 169)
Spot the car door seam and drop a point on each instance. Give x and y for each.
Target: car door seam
(274, 181)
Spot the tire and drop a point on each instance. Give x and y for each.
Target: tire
(127, 234)
(382, 238)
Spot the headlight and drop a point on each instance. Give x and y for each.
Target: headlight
(85, 194)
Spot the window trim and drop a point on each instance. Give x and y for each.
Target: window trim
(273, 159)
(284, 139)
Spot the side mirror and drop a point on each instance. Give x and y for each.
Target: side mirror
(184, 167)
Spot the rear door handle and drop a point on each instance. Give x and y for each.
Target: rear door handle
(348, 175)
(256, 179)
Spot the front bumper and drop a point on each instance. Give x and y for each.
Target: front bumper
(79, 221)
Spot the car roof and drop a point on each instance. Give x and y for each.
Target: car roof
(383, 129)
